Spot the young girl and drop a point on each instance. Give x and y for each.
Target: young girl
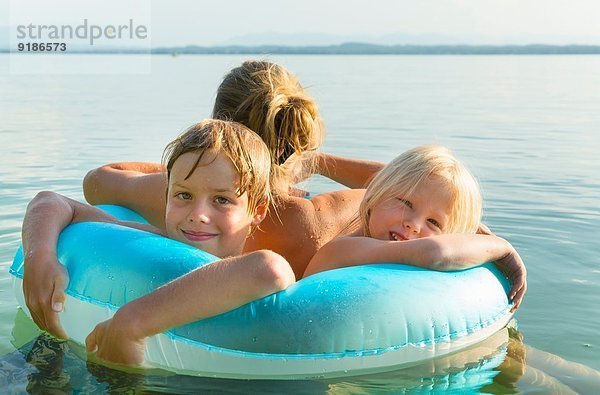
(218, 192)
(423, 209)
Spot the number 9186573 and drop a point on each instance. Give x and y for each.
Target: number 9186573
(42, 47)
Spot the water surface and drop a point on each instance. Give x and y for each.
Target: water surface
(526, 125)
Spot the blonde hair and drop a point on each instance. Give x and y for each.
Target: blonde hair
(242, 146)
(406, 172)
(269, 99)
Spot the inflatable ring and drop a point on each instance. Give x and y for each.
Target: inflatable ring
(347, 321)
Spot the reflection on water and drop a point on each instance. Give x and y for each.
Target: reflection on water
(500, 365)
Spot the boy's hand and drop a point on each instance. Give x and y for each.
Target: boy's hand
(514, 269)
(114, 343)
(44, 283)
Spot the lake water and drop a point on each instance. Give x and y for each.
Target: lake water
(528, 127)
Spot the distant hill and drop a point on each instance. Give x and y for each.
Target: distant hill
(373, 49)
(271, 42)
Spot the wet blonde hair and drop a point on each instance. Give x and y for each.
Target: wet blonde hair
(269, 99)
(242, 146)
(403, 175)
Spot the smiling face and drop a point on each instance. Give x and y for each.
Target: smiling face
(424, 213)
(204, 209)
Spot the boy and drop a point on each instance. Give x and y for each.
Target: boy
(218, 190)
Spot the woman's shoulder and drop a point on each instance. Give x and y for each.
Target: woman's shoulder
(320, 208)
(320, 218)
(297, 227)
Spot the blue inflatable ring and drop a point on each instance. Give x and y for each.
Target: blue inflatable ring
(347, 321)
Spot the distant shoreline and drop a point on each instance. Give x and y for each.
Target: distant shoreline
(372, 49)
(352, 49)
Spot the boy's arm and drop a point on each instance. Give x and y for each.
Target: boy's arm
(444, 252)
(207, 291)
(140, 186)
(353, 173)
(44, 278)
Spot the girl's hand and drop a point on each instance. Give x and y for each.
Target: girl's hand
(513, 267)
(115, 343)
(484, 230)
(44, 283)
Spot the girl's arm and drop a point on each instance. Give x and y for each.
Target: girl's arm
(353, 173)
(205, 292)
(140, 186)
(44, 278)
(444, 252)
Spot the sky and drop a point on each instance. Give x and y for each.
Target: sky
(179, 22)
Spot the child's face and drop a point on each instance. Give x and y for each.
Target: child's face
(204, 211)
(425, 213)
